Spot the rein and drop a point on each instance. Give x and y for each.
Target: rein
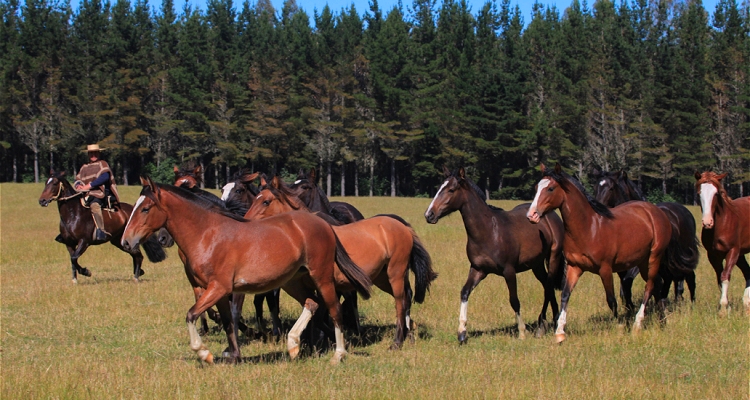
(59, 191)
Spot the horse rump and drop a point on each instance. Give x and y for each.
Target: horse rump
(420, 264)
(361, 282)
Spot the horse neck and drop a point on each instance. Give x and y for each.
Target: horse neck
(577, 214)
(192, 219)
(477, 215)
(725, 209)
(69, 207)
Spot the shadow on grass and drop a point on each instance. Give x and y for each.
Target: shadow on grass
(534, 329)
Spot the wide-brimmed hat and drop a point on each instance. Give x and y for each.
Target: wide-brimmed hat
(93, 148)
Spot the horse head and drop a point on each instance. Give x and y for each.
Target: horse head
(711, 191)
(306, 189)
(550, 193)
(274, 198)
(614, 188)
(147, 217)
(54, 187)
(242, 188)
(187, 178)
(449, 196)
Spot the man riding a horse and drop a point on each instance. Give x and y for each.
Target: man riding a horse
(97, 178)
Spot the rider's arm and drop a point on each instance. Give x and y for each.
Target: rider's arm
(102, 179)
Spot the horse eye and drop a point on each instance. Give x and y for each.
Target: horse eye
(266, 202)
(145, 210)
(550, 189)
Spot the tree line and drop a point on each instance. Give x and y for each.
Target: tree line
(378, 102)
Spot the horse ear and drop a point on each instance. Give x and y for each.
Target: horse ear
(144, 181)
(542, 167)
(263, 182)
(446, 171)
(312, 175)
(276, 182)
(197, 170)
(697, 176)
(154, 187)
(461, 173)
(301, 173)
(558, 168)
(176, 170)
(721, 176)
(623, 174)
(249, 178)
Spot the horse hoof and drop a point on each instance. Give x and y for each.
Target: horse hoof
(85, 272)
(462, 337)
(540, 332)
(522, 335)
(75, 281)
(293, 352)
(395, 346)
(206, 356)
(559, 338)
(338, 356)
(724, 311)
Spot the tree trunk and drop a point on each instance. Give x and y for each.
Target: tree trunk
(393, 177)
(228, 174)
(36, 166)
(343, 179)
(356, 180)
(203, 175)
(487, 189)
(216, 175)
(372, 177)
(15, 167)
(125, 171)
(51, 159)
(328, 178)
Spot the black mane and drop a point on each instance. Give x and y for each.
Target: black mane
(199, 201)
(565, 180)
(477, 189)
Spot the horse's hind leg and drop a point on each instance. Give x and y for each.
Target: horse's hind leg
(475, 276)
(509, 273)
(272, 298)
(626, 287)
(541, 275)
(653, 282)
(690, 281)
(745, 268)
(411, 326)
(350, 312)
(75, 253)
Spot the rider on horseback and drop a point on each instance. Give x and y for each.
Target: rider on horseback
(97, 178)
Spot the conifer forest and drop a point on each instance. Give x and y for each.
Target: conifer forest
(378, 100)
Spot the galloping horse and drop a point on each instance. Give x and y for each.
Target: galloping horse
(308, 191)
(190, 179)
(77, 225)
(384, 246)
(503, 243)
(601, 240)
(726, 233)
(226, 253)
(613, 189)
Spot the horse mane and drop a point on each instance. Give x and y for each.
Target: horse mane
(627, 186)
(199, 201)
(321, 195)
(477, 190)
(188, 171)
(287, 195)
(565, 180)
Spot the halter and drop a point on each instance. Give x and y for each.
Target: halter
(59, 191)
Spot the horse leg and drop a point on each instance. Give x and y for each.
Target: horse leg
(509, 273)
(331, 299)
(258, 303)
(731, 260)
(572, 274)
(350, 312)
(679, 289)
(237, 302)
(137, 261)
(197, 292)
(411, 326)
(541, 275)
(226, 308)
(626, 287)
(475, 276)
(213, 294)
(299, 292)
(605, 273)
(394, 285)
(652, 278)
(75, 253)
(745, 268)
(690, 280)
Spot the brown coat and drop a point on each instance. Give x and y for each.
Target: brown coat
(90, 172)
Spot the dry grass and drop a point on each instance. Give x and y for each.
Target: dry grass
(110, 337)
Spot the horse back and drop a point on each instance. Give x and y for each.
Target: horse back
(653, 228)
(379, 236)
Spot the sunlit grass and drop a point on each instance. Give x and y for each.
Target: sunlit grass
(110, 337)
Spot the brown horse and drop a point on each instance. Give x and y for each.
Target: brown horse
(312, 196)
(602, 240)
(227, 254)
(77, 226)
(615, 188)
(726, 233)
(384, 246)
(503, 243)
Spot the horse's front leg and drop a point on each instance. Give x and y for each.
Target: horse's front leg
(571, 279)
(509, 273)
(75, 253)
(605, 273)
(626, 287)
(475, 276)
(212, 295)
(549, 297)
(137, 261)
(731, 260)
(272, 298)
(653, 282)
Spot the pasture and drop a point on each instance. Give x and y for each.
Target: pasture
(110, 337)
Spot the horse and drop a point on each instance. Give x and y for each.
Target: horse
(228, 254)
(241, 190)
(601, 240)
(615, 188)
(726, 233)
(384, 246)
(503, 243)
(77, 225)
(312, 195)
(190, 179)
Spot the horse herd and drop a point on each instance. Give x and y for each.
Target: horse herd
(323, 250)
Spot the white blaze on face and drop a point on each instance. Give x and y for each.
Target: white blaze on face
(49, 180)
(541, 186)
(434, 198)
(226, 190)
(135, 207)
(708, 191)
(602, 182)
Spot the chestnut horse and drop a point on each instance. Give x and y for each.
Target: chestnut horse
(384, 246)
(503, 243)
(190, 179)
(726, 233)
(615, 188)
(602, 240)
(77, 226)
(226, 254)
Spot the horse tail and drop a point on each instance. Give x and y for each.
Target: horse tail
(558, 275)
(420, 264)
(361, 282)
(681, 258)
(153, 249)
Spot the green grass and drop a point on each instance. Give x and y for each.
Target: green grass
(110, 337)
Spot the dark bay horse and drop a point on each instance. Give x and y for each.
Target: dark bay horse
(77, 225)
(615, 188)
(602, 240)
(241, 190)
(307, 189)
(726, 233)
(189, 179)
(228, 254)
(384, 246)
(503, 243)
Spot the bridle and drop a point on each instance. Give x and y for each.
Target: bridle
(59, 191)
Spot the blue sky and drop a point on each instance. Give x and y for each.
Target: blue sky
(386, 5)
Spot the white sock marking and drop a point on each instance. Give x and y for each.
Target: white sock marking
(639, 316)
(294, 333)
(561, 320)
(724, 301)
(746, 297)
(462, 318)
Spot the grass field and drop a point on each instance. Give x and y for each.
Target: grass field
(109, 337)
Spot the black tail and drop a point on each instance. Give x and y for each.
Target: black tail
(361, 282)
(558, 275)
(681, 259)
(420, 264)
(153, 249)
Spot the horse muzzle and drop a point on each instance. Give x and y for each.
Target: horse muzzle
(430, 217)
(44, 202)
(533, 216)
(708, 223)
